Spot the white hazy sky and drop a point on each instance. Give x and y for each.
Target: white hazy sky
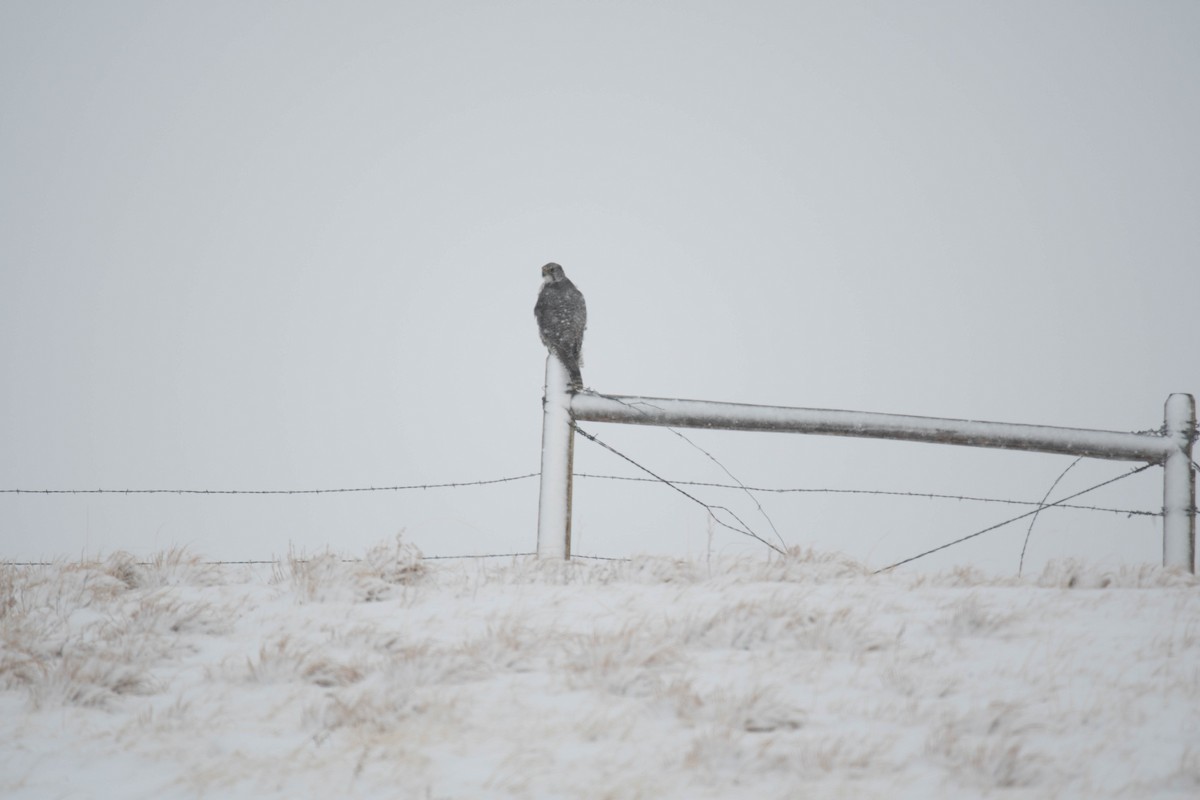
(296, 245)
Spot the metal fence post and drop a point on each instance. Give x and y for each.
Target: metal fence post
(558, 450)
(1179, 484)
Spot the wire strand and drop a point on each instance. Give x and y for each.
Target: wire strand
(1041, 505)
(486, 555)
(1014, 519)
(925, 495)
(277, 491)
(264, 561)
(708, 484)
(744, 530)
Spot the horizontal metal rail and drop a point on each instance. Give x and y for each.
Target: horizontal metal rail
(744, 417)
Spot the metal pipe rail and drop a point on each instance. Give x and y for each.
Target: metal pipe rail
(744, 417)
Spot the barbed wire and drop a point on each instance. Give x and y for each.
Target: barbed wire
(272, 561)
(673, 484)
(278, 491)
(655, 478)
(484, 555)
(706, 484)
(739, 486)
(1037, 510)
(885, 493)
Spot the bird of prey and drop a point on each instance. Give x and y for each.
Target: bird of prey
(561, 317)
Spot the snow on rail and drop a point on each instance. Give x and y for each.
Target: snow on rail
(1114, 445)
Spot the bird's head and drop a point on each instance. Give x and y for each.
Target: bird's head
(552, 272)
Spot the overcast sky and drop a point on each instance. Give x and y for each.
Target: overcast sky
(296, 245)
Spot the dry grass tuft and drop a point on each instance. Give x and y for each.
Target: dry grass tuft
(383, 704)
(990, 748)
(755, 709)
(624, 662)
(87, 633)
(780, 620)
(385, 571)
(649, 570)
(90, 679)
(959, 577)
(173, 567)
(507, 645)
(284, 660)
(970, 617)
(1074, 574)
(805, 565)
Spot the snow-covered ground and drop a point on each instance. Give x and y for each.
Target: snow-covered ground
(384, 675)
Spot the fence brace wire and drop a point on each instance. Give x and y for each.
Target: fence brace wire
(745, 530)
(1037, 510)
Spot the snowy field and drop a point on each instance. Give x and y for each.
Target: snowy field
(385, 675)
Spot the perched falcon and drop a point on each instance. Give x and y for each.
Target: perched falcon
(561, 317)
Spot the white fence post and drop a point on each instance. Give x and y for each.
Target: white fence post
(558, 450)
(1179, 484)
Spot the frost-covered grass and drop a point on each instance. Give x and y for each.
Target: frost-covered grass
(389, 676)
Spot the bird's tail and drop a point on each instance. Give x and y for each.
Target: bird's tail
(571, 362)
